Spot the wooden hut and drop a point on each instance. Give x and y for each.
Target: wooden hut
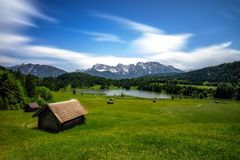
(110, 102)
(31, 107)
(56, 117)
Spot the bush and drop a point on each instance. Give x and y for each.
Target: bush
(41, 102)
(201, 95)
(225, 91)
(44, 93)
(17, 106)
(6, 104)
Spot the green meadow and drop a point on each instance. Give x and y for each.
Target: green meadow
(131, 128)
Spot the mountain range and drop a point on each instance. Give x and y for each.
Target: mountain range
(38, 70)
(227, 72)
(121, 71)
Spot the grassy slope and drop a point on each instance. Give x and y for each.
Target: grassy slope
(129, 129)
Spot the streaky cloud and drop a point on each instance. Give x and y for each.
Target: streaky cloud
(151, 39)
(20, 13)
(7, 60)
(140, 27)
(200, 57)
(80, 59)
(151, 43)
(101, 37)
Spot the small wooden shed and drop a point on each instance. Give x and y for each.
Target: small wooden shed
(56, 117)
(31, 107)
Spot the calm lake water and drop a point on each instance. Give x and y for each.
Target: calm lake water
(134, 93)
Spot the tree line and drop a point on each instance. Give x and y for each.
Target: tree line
(158, 84)
(16, 90)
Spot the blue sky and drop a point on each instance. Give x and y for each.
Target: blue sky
(77, 34)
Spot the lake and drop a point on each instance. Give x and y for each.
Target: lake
(134, 93)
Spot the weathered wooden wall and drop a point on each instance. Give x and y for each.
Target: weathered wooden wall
(71, 123)
(47, 121)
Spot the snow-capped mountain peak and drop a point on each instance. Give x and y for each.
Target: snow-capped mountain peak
(131, 70)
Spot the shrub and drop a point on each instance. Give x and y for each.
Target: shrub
(44, 93)
(41, 102)
(6, 104)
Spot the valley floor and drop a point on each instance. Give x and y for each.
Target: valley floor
(130, 128)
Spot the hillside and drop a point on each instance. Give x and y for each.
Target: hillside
(38, 70)
(227, 72)
(80, 79)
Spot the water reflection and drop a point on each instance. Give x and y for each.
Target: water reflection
(134, 93)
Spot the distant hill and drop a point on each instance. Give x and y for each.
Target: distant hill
(227, 72)
(130, 71)
(38, 70)
(81, 79)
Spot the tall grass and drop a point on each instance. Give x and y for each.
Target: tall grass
(131, 128)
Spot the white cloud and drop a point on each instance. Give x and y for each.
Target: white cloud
(128, 23)
(60, 57)
(101, 37)
(82, 60)
(152, 40)
(157, 43)
(8, 41)
(19, 13)
(199, 58)
(6, 60)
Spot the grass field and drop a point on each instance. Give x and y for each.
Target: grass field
(195, 86)
(129, 129)
(199, 86)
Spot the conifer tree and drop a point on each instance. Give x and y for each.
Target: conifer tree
(6, 104)
(30, 84)
(1, 103)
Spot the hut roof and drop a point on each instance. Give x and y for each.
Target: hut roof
(33, 105)
(66, 110)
